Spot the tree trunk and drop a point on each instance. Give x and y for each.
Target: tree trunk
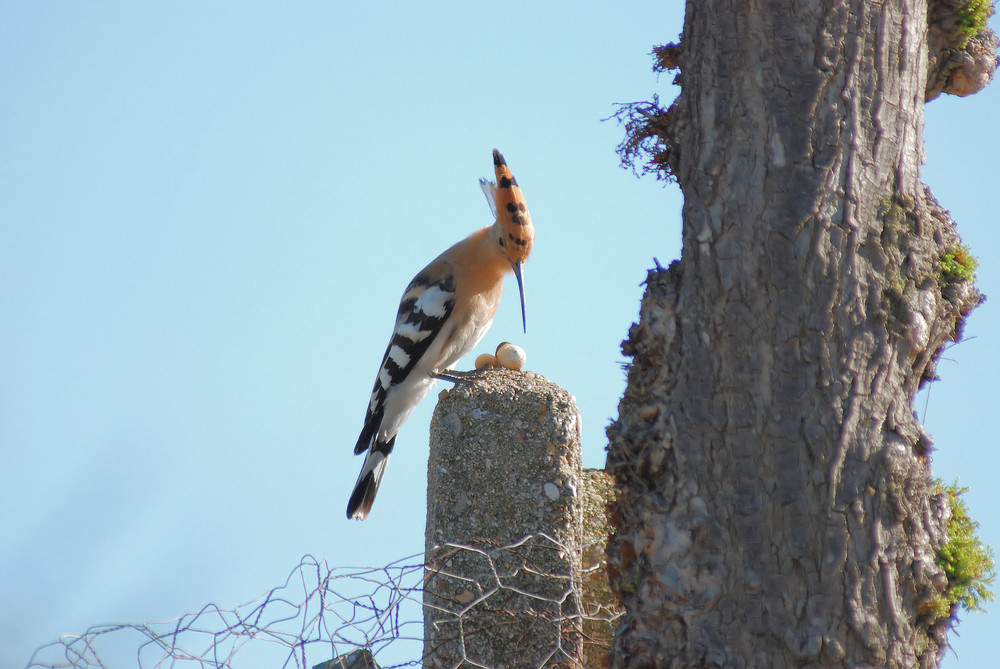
(775, 504)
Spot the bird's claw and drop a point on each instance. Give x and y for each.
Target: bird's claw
(454, 377)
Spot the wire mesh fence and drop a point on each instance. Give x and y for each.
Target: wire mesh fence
(319, 611)
(323, 616)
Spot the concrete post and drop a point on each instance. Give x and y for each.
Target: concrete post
(504, 525)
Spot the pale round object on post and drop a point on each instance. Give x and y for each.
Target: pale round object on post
(511, 356)
(486, 360)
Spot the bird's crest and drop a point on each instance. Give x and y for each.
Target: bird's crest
(512, 213)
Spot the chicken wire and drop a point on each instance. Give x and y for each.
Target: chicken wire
(322, 613)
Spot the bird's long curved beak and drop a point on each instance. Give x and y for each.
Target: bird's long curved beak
(518, 273)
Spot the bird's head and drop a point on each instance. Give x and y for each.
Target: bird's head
(515, 234)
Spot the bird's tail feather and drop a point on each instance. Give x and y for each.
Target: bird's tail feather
(369, 480)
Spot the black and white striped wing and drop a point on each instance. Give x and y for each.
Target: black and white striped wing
(426, 305)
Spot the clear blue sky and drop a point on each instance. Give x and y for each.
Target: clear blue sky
(208, 212)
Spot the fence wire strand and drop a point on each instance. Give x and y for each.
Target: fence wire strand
(322, 613)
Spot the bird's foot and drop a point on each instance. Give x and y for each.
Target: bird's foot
(454, 377)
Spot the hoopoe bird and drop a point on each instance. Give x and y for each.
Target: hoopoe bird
(445, 311)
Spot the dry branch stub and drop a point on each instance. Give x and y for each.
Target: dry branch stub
(504, 525)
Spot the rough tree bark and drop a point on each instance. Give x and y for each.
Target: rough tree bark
(775, 506)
